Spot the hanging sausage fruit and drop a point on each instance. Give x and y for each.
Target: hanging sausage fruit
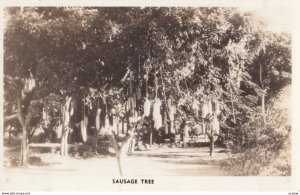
(130, 106)
(217, 107)
(133, 101)
(147, 107)
(195, 108)
(29, 84)
(107, 128)
(157, 118)
(204, 110)
(26, 86)
(66, 111)
(172, 118)
(204, 114)
(138, 92)
(215, 125)
(86, 120)
(171, 114)
(44, 114)
(116, 124)
(83, 124)
(209, 105)
(46, 119)
(98, 119)
(83, 130)
(72, 107)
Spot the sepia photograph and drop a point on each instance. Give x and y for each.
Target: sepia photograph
(134, 93)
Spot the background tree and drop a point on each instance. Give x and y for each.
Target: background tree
(271, 69)
(44, 46)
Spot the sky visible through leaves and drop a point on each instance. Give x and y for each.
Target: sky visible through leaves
(278, 19)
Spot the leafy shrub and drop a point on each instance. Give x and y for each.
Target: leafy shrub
(264, 148)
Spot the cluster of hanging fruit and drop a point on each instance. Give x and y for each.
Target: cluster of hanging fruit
(209, 109)
(103, 128)
(156, 104)
(156, 115)
(210, 112)
(107, 120)
(28, 85)
(135, 100)
(132, 104)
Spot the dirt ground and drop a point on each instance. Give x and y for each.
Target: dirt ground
(50, 168)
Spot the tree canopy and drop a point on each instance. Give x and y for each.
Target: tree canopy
(189, 54)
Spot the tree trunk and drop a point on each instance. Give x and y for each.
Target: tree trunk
(24, 142)
(132, 145)
(263, 95)
(25, 125)
(120, 163)
(65, 127)
(121, 152)
(184, 141)
(232, 105)
(151, 135)
(185, 136)
(9, 133)
(211, 145)
(263, 108)
(24, 146)
(122, 125)
(64, 141)
(127, 125)
(95, 138)
(166, 123)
